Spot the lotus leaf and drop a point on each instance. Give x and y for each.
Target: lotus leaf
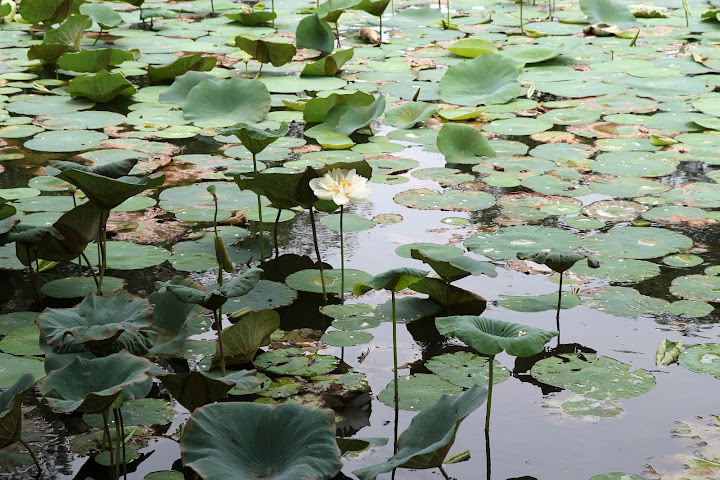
(431, 434)
(451, 200)
(667, 352)
(92, 61)
(101, 87)
(312, 32)
(255, 139)
(510, 241)
(47, 12)
(265, 294)
(144, 411)
(227, 102)
(346, 338)
(410, 113)
(65, 141)
(495, 81)
(394, 280)
(253, 18)
(462, 144)
(539, 303)
(355, 323)
(609, 12)
(471, 48)
(690, 309)
(625, 302)
(181, 86)
(637, 242)
(12, 368)
(618, 269)
(533, 53)
(97, 322)
(242, 340)
(417, 392)
(93, 385)
(266, 51)
(270, 440)
(702, 359)
(697, 287)
(558, 261)
(490, 337)
(699, 194)
(22, 342)
(215, 299)
(329, 66)
(346, 119)
(10, 414)
(108, 192)
(295, 362)
(106, 17)
(454, 268)
(346, 310)
(131, 256)
(180, 66)
(602, 378)
(440, 252)
(13, 321)
(466, 369)
(170, 319)
(407, 309)
(309, 280)
(195, 389)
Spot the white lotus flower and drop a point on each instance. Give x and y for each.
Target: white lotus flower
(342, 187)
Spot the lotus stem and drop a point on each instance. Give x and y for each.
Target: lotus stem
(33, 277)
(92, 271)
(448, 14)
(259, 203)
(488, 463)
(491, 368)
(272, 8)
(381, 27)
(686, 7)
(218, 326)
(317, 253)
(32, 454)
(522, 27)
(337, 33)
(98, 36)
(342, 260)
(122, 429)
(557, 315)
(257, 75)
(109, 440)
(119, 439)
(444, 473)
(212, 7)
(275, 233)
(395, 367)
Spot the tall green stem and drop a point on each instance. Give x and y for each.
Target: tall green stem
(260, 216)
(381, 27)
(317, 253)
(275, 233)
(522, 27)
(272, 8)
(559, 304)
(109, 441)
(119, 437)
(218, 326)
(395, 366)
(491, 368)
(342, 260)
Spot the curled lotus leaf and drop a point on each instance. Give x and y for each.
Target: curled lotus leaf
(463, 144)
(255, 139)
(10, 414)
(237, 287)
(242, 340)
(270, 440)
(495, 81)
(558, 261)
(266, 51)
(109, 192)
(490, 337)
(101, 87)
(96, 322)
(92, 385)
(668, 352)
(195, 389)
(410, 113)
(395, 280)
(454, 268)
(431, 434)
(602, 378)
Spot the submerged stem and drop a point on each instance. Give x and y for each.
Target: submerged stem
(491, 368)
(317, 253)
(342, 260)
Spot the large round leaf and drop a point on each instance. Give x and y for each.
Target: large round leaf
(261, 442)
(293, 361)
(702, 359)
(490, 337)
(637, 242)
(417, 392)
(311, 281)
(625, 302)
(92, 385)
(227, 102)
(705, 288)
(508, 242)
(13, 368)
(462, 144)
(450, 200)
(466, 369)
(494, 81)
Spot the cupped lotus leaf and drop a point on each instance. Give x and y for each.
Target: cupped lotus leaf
(667, 352)
(602, 378)
(409, 113)
(494, 81)
(195, 389)
(394, 280)
(454, 268)
(608, 12)
(109, 192)
(284, 190)
(255, 139)
(431, 434)
(237, 287)
(510, 241)
(625, 302)
(331, 10)
(96, 322)
(316, 109)
(271, 445)
(92, 61)
(532, 53)
(417, 392)
(450, 200)
(702, 359)
(705, 288)
(346, 338)
(466, 369)
(312, 32)
(407, 309)
(374, 7)
(181, 86)
(462, 144)
(266, 51)
(637, 242)
(618, 269)
(170, 319)
(309, 280)
(329, 66)
(472, 47)
(558, 261)
(10, 409)
(295, 362)
(101, 87)
(252, 18)
(113, 170)
(450, 296)
(346, 119)
(490, 337)
(105, 16)
(227, 101)
(12, 368)
(47, 12)
(243, 339)
(180, 66)
(540, 303)
(92, 386)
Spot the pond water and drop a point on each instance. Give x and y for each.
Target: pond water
(605, 146)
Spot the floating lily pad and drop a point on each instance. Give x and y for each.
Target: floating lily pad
(704, 288)
(602, 378)
(466, 369)
(355, 323)
(12, 368)
(618, 269)
(131, 256)
(310, 280)
(517, 126)
(702, 359)
(540, 303)
(625, 302)
(417, 392)
(79, 287)
(506, 243)
(700, 194)
(22, 342)
(682, 260)
(65, 141)
(346, 338)
(265, 294)
(351, 222)
(690, 308)
(347, 309)
(452, 200)
(387, 218)
(637, 242)
(614, 210)
(495, 81)
(295, 362)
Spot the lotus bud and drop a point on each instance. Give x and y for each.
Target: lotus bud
(211, 190)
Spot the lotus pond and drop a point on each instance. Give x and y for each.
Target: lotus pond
(489, 242)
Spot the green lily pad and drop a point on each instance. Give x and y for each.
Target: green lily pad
(614, 210)
(702, 359)
(618, 269)
(700, 194)
(22, 342)
(295, 362)
(495, 81)
(601, 378)
(625, 302)
(690, 309)
(417, 392)
(315, 454)
(347, 310)
(472, 47)
(355, 323)
(676, 214)
(682, 260)
(346, 338)
(131, 256)
(637, 242)
(265, 294)
(510, 241)
(466, 369)
(144, 411)
(351, 222)
(387, 218)
(65, 141)
(13, 321)
(227, 102)
(310, 280)
(704, 288)
(452, 200)
(539, 303)
(79, 287)
(529, 54)
(627, 187)
(12, 368)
